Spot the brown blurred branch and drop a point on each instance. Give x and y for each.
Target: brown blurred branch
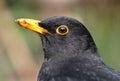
(16, 47)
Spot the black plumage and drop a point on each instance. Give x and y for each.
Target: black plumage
(72, 56)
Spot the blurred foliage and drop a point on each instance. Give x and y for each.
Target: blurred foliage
(102, 18)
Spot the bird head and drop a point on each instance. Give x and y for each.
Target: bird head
(61, 35)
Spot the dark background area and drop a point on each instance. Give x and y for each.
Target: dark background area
(21, 54)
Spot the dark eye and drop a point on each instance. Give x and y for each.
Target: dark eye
(62, 30)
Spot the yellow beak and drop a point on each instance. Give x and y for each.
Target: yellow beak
(32, 25)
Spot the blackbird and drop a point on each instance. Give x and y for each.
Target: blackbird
(70, 53)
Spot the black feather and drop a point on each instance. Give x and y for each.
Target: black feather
(72, 57)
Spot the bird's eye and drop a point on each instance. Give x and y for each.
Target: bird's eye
(62, 30)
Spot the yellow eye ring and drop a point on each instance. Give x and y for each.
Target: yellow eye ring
(62, 30)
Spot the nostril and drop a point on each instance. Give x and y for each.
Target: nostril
(39, 24)
(24, 22)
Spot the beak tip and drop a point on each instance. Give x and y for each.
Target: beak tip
(17, 20)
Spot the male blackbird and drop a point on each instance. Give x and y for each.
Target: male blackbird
(70, 53)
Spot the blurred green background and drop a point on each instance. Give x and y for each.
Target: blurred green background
(21, 53)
